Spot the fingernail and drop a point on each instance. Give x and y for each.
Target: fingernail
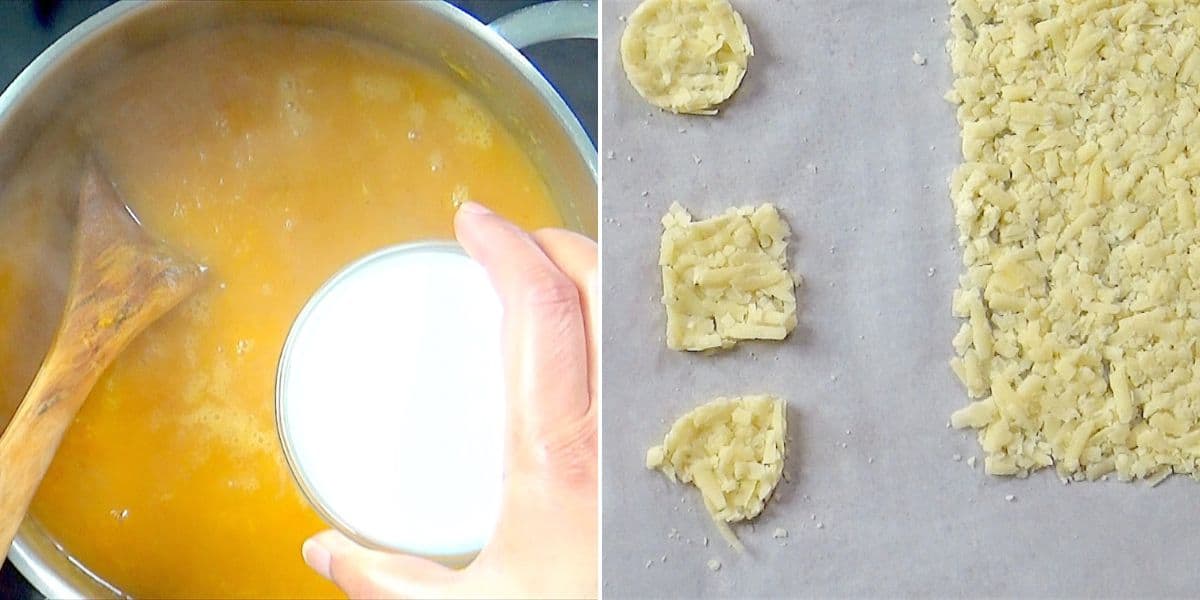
(474, 208)
(317, 557)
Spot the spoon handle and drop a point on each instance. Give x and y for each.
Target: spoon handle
(121, 281)
(32, 437)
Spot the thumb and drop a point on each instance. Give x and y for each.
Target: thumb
(364, 573)
(575, 255)
(545, 345)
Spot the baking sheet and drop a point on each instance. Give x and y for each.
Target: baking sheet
(877, 505)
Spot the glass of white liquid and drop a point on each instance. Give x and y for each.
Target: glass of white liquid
(390, 402)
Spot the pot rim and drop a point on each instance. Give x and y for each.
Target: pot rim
(18, 91)
(45, 579)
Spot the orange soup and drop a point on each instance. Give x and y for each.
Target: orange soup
(274, 156)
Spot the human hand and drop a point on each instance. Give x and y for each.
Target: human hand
(546, 540)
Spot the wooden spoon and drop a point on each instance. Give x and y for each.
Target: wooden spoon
(121, 281)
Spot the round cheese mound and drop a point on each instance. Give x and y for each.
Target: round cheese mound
(686, 56)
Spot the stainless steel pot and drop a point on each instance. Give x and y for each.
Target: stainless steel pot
(482, 58)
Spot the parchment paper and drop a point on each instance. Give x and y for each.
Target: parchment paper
(865, 375)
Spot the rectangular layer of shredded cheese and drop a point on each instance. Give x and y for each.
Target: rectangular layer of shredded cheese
(725, 279)
(1076, 207)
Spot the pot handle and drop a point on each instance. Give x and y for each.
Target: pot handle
(548, 21)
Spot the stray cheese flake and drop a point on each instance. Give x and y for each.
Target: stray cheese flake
(686, 56)
(1076, 207)
(732, 449)
(725, 278)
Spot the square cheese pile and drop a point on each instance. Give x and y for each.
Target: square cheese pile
(725, 279)
(1076, 207)
(732, 449)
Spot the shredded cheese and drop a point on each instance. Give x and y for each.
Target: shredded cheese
(732, 449)
(725, 278)
(1076, 208)
(686, 56)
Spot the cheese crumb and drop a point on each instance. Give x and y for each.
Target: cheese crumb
(918, 59)
(732, 449)
(1076, 209)
(780, 533)
(725, 279)
(686, 56)
(714, 565)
